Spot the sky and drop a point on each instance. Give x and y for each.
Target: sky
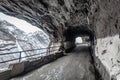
(21, 24)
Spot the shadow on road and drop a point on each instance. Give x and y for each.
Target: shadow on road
(81, 48)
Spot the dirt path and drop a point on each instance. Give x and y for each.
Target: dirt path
(75, 66)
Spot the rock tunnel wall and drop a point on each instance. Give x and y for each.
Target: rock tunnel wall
(57, 17)
(105, 20)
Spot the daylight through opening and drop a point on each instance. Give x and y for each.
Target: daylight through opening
(78, 40)
(18, 35)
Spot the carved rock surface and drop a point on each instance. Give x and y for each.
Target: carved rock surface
(53, 16)
(105, 20)
(78, 17)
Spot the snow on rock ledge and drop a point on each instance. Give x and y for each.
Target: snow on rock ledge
(13, 39)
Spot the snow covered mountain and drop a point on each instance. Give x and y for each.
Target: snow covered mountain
(13, 39)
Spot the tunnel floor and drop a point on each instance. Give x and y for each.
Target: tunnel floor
(75, 66)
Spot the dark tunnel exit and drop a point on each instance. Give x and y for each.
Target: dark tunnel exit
(72, 33)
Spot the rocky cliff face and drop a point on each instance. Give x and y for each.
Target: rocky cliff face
(104, 19)
(53, 16)
(64, 20)
(8, 36)
(13, 39)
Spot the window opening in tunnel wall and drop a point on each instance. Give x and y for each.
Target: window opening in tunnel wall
(19, 35)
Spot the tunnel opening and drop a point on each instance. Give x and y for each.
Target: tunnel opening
(83, 40)
(78, 40)
(19, 35)
(72, 33)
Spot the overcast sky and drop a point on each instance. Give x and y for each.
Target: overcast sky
(21, 24)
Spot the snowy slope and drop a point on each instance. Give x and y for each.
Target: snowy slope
(13, 39)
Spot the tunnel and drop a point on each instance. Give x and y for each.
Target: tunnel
(63, 21)
(73, 32)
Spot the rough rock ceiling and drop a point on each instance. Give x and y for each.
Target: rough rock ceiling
(53, 16)
(57, 16)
